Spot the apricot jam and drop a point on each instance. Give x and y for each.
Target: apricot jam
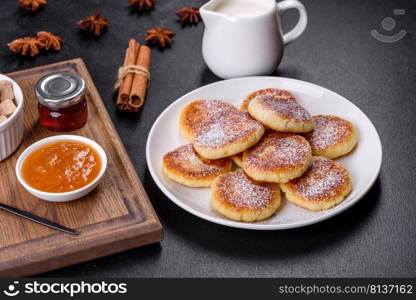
(61, 166)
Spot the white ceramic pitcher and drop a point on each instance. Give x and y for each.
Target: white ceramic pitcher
(244, 37)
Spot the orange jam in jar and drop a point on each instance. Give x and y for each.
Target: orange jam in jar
(62, 101)
(60, 167)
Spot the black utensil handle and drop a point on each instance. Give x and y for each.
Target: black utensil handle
(37, 219)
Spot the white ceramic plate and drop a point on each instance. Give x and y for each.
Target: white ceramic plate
(363, 163)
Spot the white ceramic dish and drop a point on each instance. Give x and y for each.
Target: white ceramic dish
(67, 196)
(363, 163)
(11, 130)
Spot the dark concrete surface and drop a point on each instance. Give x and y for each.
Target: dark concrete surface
(376, 237)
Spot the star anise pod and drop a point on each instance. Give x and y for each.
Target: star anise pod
(142, 5)
(32, 5)
(49, 40)
(159, 36)
(94, 24)
(26, 46)
(189, 15)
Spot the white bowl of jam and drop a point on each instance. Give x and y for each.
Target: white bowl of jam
(61, 168)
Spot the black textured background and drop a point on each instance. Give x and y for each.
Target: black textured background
(376, 237)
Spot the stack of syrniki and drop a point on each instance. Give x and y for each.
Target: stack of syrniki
(219, 133)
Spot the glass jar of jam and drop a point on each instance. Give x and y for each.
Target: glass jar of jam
(62, 102)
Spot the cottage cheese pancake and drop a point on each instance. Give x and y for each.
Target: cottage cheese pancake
(280, 114)
(324, 186)
(278, 157)
(187, 167)
(276, 93)
(240, 198)
(332, 136)
(238, 159)
(218, 129)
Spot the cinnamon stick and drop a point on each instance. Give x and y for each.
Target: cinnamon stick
(126, 83)
(140, 79)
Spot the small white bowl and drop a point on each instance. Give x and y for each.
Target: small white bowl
(66, 196)
(11, 130)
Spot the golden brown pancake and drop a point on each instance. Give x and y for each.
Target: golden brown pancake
(324, 186)
(281, 94)
(278, 157)
(184, 165)
(218, 129)
(332, 136)
(283, 115)
(238, 159)
(241, 198)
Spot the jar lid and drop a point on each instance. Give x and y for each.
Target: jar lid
(60, 89)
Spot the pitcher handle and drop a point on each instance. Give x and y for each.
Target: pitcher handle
(303, 19)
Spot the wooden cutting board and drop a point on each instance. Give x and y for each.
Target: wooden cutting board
(116, 216)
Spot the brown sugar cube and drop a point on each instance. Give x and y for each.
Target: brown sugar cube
(7, 108)
(2, 119)
(6, 91)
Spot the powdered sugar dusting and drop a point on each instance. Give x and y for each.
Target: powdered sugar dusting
(212, 135)
(185, 158)
(237, 189)
(220, 123)
(328, 131)
(278, 150)
(323, 180)
(288, 108)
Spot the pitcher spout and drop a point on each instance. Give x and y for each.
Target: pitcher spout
(210, 15)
